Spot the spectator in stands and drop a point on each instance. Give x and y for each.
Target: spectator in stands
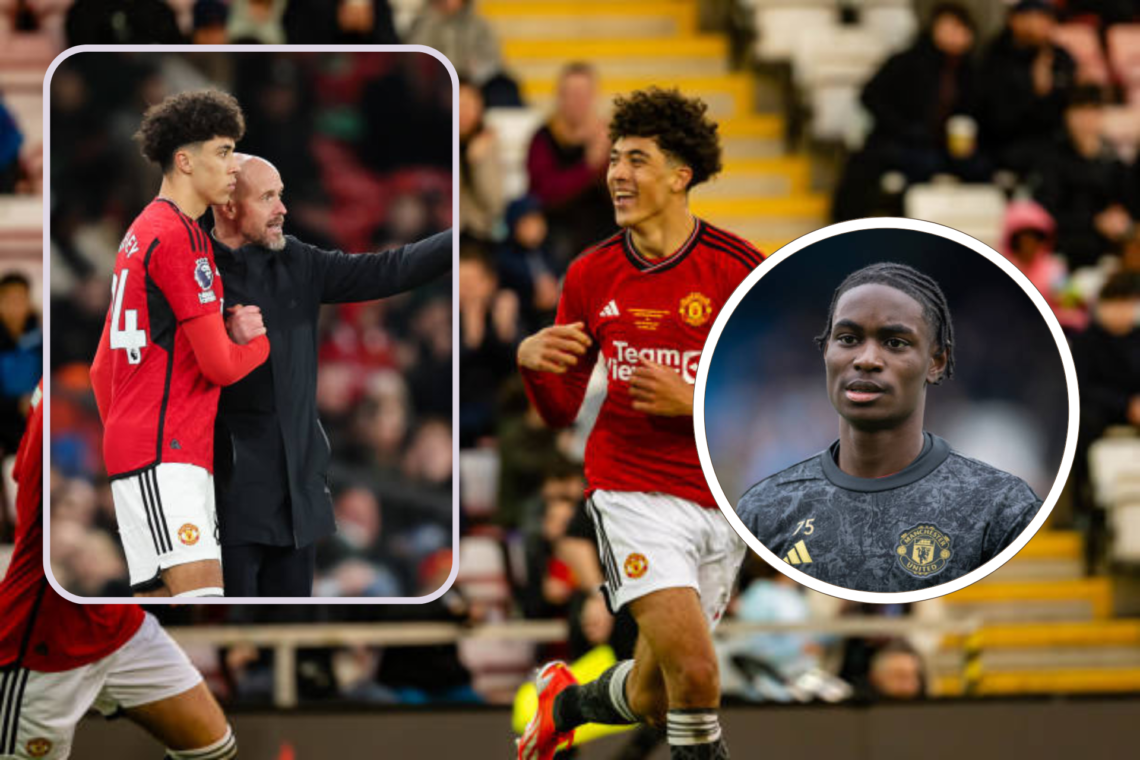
(11, 139)
(1085, 186)
(455, 28)
(210, 17)
(525, 265)
(1025, 82)
(257, 21)
(1028, 236)
(432, 673)
(566, 166)
(913, 99)
(21, 352)
(122, 22)
(528, 453)
(768, 661)
(896, 673)
(489, 331)
(356, 561)
(1107, 358)
(550, 581)
(339, 22)
(480, 175)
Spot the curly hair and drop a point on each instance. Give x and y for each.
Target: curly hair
(679, 124)
(920, 287)
(186, 118)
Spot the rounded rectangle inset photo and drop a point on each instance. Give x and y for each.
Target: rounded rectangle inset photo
(253, 390)
(887, 412)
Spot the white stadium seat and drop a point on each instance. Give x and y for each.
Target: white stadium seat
(976, 210)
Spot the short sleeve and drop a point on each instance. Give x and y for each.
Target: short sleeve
(185, 272)
(1014, 509)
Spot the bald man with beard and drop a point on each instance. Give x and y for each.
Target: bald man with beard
(271, 454)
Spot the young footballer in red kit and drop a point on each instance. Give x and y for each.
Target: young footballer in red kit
(165, 353)
(645, 300)
(59, 659)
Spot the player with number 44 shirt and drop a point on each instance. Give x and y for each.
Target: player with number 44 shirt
(165, 353)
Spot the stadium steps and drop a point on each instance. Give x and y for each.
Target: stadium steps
(727, 95)
(763, 193)
(1063, 600)
(702, 55)
(1095, 681)
(620, 20)
(1050, 555)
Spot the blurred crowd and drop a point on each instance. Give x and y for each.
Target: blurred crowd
(1047, 109)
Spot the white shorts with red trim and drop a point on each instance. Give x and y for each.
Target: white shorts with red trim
(654, 541)
(166, 517)
(41, 710)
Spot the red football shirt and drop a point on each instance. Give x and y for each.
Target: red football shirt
(633, 307)
(162, 408)
(39, 629)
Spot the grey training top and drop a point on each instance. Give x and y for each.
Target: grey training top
(938, 519)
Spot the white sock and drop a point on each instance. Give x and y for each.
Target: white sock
(223, 749)
(207, 591)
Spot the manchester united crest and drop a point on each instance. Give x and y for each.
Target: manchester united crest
(636, 565)
(38, 747)
(189, 534)
(923, 550)
(696, 308)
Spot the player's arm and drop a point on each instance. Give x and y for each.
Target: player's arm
(222, 361)
(101, 373)
(556, 362)
(346, 278)
(1015, 508)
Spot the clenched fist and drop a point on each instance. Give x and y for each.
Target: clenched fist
(244, 323)
(555, 349)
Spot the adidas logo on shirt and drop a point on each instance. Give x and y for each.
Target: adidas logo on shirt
(611, 310)
(798, 555)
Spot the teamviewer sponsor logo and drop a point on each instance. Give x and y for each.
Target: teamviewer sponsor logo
(626, 357)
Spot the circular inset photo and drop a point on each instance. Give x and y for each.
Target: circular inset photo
(887, 410)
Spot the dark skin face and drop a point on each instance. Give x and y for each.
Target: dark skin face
(879, 358)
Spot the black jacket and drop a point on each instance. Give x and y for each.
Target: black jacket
(271, 454)
(1011, 111)
(903, 96)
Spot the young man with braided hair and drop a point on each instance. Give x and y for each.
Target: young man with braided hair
(887, 507)
(644, 301)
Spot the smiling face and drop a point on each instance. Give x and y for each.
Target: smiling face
(879, 357)
(212, 167)
(260, 212)
(643, 181)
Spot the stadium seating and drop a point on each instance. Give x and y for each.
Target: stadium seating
(976, 210)
(830, 67)
(1114, 464)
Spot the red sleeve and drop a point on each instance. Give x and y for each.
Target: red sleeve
(222, 361)
(558, 398)
(183, 269)
(101, 374)
(551, 182)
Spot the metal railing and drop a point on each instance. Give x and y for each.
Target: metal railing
(285, 640)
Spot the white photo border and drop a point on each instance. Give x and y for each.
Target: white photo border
(878, 597)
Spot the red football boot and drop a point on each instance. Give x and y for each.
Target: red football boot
(541, 739)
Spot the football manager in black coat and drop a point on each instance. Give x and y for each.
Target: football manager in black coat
(271, 454)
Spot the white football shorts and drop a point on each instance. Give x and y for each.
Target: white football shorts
(42, 709)
(166, 517)
(654, 541)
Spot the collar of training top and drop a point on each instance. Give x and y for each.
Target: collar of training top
(934, 452)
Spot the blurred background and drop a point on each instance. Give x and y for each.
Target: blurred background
(808, 105)
(767, 405)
